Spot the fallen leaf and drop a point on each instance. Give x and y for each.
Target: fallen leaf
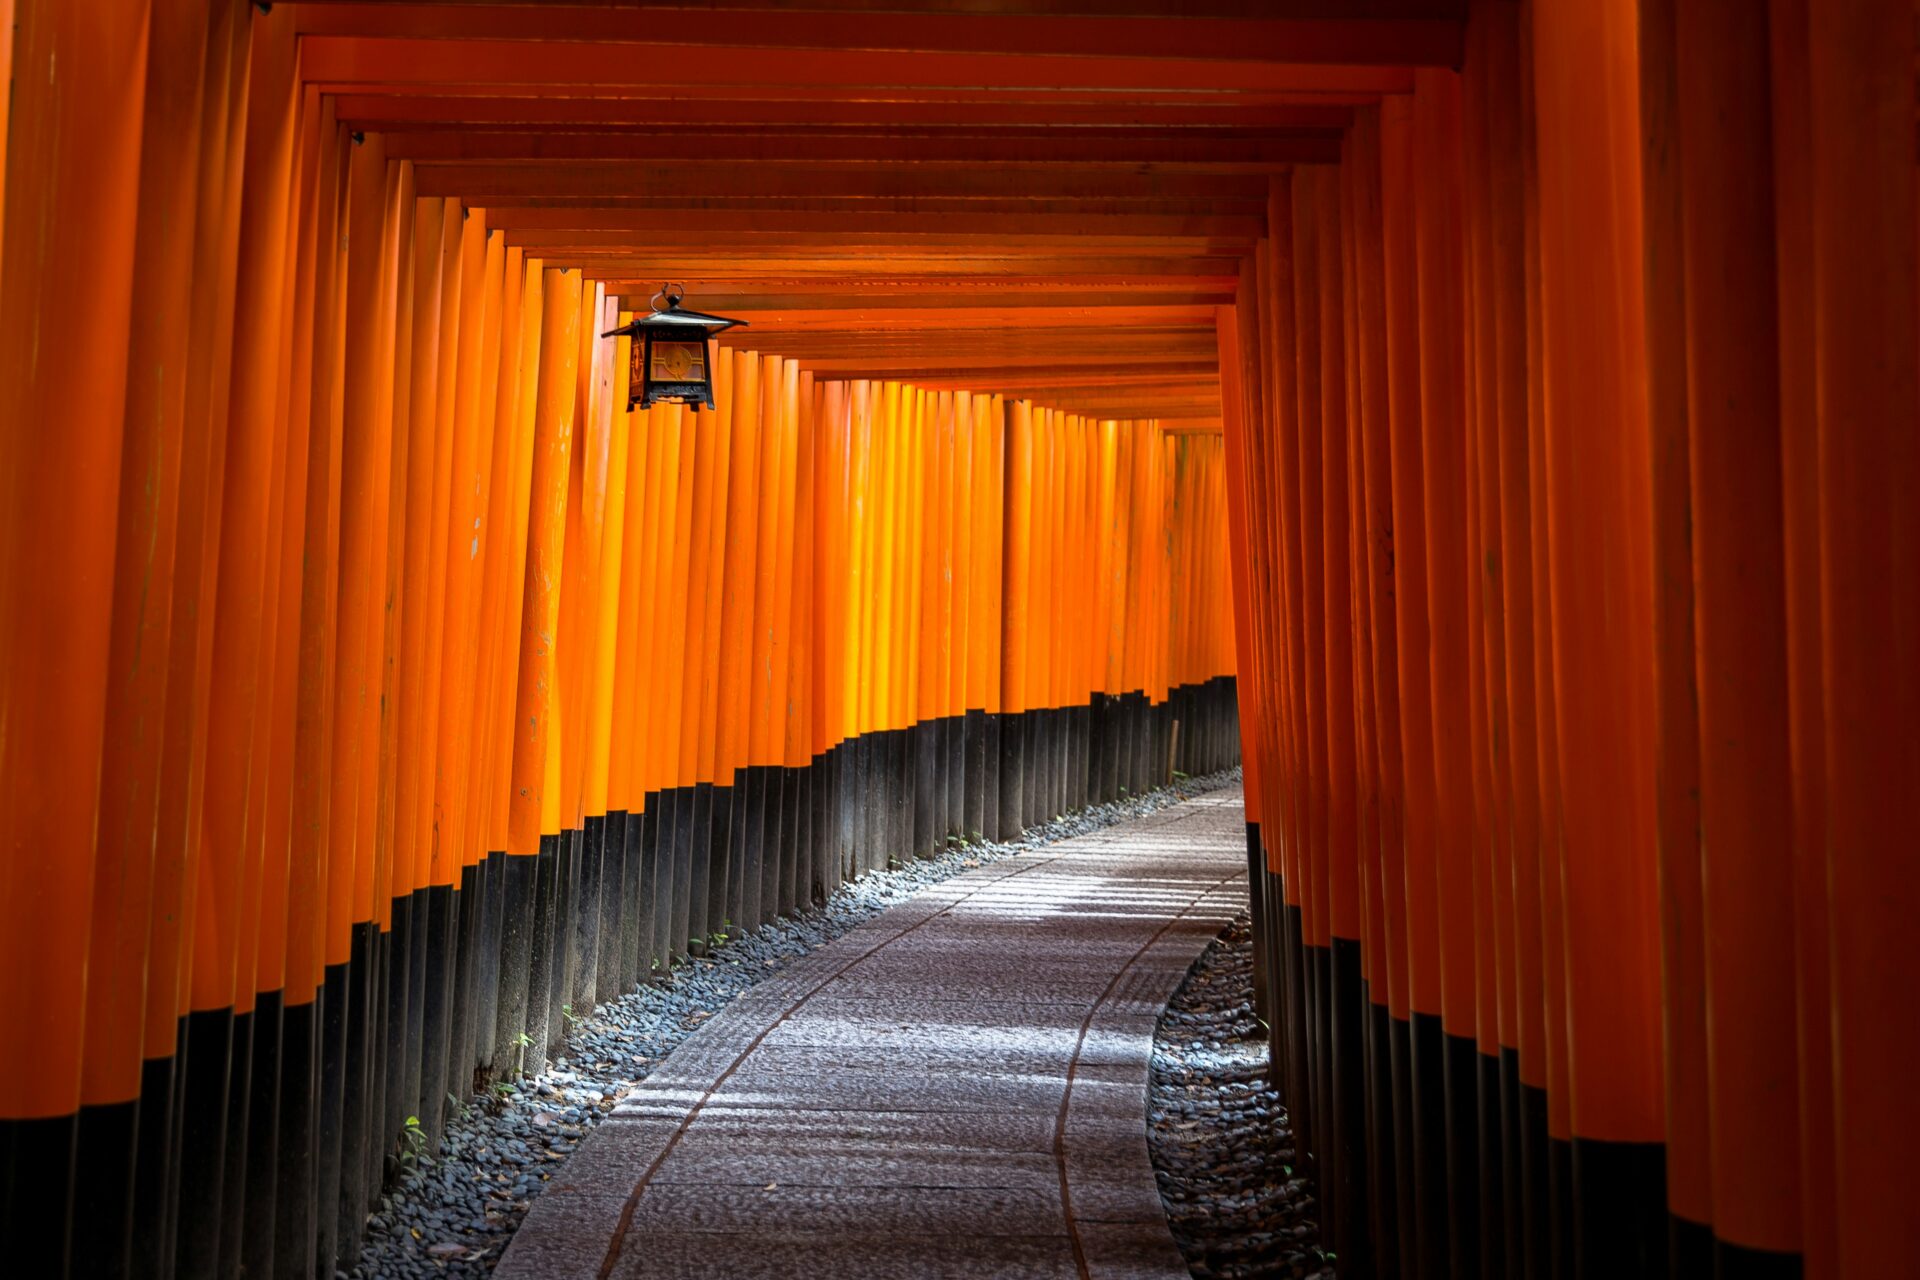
(544, 1118)
(446, 1249)
(771, 1185)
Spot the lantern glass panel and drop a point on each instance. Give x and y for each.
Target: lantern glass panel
(679, 362)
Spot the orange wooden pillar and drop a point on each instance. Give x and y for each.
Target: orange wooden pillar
(418, 425)
(598, 860)
(1690, 1195)
(986, 653)
(1490, 832)
(750, 585)
(831, 635)
(1015, 628)
(1739, 854)
(66, 288)
(676, 517)
(1290, 772)
(759, 892)
(1599, 515)
(282, 1124)
(123, 1096)
(736, 653)
(310, 624)
(1323, 474)
(806, 880)
(1037, 781)
(789, 834)
(369, 284)
(1865, 343)
(1497, 76)
(1301, 468)
(189, 673)
(465, 533)
(1438, 243)
(1372, 432)
(503, 540)
(638, 711)
(966, 689)
(1428, 1238)
(1790, 107)
(532, 830)
(706, 592)
(243, 647)
(854, 607)
(622, 646)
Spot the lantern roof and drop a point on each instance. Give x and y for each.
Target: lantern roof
(674, 316)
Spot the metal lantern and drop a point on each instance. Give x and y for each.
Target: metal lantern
(671, 360)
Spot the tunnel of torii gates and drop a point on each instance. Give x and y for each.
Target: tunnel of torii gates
(1495, 424)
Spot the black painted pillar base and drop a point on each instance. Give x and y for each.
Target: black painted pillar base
(541, 958)
(657, 854)
(36, 1180)
(233, 1183)
(585, 984)
(203, 1140)
(614, 896)
(1619, 1209)
(1431, 1213)
(103, 1167)
(157, 1163)
(295, 1229)
(438, 996)
(518, 892)
(1462, 1076)
(256, 1252)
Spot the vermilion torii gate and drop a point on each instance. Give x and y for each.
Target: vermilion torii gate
(1494, 420)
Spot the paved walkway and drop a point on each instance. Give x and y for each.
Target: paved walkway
(956, 1088)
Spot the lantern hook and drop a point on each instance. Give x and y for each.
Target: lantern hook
(670, 294)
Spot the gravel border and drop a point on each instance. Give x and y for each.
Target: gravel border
(1222, 1150)
(453, 1214)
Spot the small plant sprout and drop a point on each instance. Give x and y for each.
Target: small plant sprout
(414, 1140)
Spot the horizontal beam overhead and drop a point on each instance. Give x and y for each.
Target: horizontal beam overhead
(973, 320)
(691, 181)
(1405, 41)
(399, 109)
(568, 67)
(1181, 151)
(1046, 198)
(1217, 233)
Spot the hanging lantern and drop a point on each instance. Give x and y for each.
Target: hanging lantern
(672, 359)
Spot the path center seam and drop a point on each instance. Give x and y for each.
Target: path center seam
(1073, 1066)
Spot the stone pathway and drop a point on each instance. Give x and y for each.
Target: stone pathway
(956, 1088)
